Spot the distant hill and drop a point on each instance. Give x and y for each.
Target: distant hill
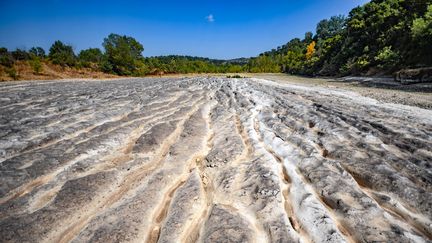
(240, 61)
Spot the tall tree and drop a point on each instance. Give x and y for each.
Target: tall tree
(308, 37)
(327, 28)
(123, 54)
(421, 31)
(62, 54)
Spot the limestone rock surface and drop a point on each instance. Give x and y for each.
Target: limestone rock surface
(208, 159)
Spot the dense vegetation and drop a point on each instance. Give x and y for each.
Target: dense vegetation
(187, 64)
(381, 36)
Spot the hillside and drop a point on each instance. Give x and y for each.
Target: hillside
(380, 37)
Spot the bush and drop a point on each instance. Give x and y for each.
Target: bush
(6, 58)
(12, 73)
(36, 65)
(141, 69)
(106, 66)
(387, 58)
(20, 54)
(62, 54)
(90, 56)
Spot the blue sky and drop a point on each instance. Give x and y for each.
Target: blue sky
(210, 28)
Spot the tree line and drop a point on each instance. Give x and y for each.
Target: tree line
(379, 37)
(121, 55)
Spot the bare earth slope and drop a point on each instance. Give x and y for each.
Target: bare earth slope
(210, 160)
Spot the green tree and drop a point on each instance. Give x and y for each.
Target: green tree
(293, 62)
(423, 26)
(20, 54)
(308, 37)
(123, 54)
(421, 31)
(387, 58)
(329, 55)
(90, 56)
(37, 51)
(62, 54)
(264, 64)
(328, 28)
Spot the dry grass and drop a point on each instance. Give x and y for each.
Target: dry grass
(55, 72)
(50, 72)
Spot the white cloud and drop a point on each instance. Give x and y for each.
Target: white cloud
(210, 18)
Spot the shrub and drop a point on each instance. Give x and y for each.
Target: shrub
(12, 73)
(20, 54)
(36, 65)
(141, 69)
(6, 58)
(387, 58)
(89, 56)
(105, 65)
(354, 65)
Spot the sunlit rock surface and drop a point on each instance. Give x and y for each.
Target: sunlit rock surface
(210, 160)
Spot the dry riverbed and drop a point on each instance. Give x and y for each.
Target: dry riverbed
(210, 159)
(381, 89)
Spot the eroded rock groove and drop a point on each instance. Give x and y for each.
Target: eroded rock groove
(209, 159)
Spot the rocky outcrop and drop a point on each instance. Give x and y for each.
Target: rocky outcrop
(210, 160)
(411, 76)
